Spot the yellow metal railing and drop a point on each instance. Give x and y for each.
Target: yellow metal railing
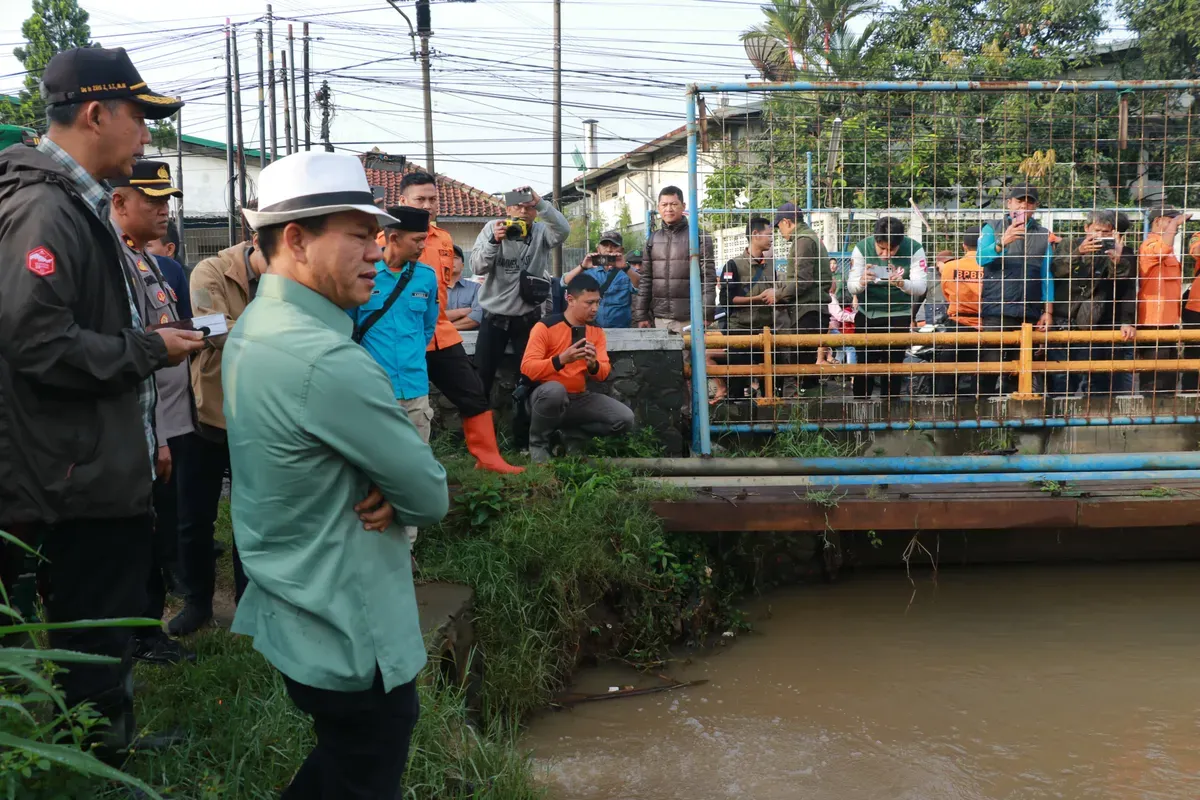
(1026, 339)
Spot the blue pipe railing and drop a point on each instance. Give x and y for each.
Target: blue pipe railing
(955, 424)
(1148, 477)
(701, 436)
(850, 87)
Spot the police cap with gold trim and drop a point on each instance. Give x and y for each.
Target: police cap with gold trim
(97, 73)
(151, 178)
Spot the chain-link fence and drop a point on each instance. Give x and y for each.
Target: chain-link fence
(913, 255)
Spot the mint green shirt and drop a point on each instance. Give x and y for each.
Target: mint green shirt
(312, 424)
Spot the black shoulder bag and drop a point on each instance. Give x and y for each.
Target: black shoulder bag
(361, 329)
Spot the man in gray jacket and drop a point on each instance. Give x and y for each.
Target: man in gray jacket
(501, 254)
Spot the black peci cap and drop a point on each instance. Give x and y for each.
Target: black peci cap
(96, 73)
(408, 219)
(151, 178)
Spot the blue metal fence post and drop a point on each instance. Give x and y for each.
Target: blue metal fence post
(701, 435)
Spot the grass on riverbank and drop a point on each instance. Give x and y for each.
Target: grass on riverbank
(565, 561)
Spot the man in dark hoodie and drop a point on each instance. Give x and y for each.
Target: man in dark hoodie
(77, 438)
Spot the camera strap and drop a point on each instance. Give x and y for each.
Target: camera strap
(608, 280)
(361, 329)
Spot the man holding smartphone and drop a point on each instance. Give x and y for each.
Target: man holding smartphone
(505, 251)
(1095, 286)
(617, 280)
(1015, 252)
(564, 352)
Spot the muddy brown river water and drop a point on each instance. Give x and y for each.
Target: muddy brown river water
(1013, 683)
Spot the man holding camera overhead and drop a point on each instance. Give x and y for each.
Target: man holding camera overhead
(513, 256)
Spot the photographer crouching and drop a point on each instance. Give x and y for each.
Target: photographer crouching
(513, 256)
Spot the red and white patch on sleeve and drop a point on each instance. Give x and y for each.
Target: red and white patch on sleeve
(40, 262)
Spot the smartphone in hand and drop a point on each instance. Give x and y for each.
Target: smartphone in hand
(578, 333)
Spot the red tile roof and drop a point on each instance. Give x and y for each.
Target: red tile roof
(455, 198)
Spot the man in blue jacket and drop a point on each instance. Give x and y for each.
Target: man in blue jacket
(397, 323)
(1015, 253)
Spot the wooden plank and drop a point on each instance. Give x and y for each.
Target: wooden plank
(887, 515)
(786, 509)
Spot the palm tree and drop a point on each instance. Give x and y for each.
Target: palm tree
(846, 55)
(790, 23)
(830, 16)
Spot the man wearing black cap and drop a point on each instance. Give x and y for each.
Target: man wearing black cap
(1016, 255)
(140, 215)
(618, 282)
(397, 323)
(77, 442)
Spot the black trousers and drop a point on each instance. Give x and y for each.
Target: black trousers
(164, 554)
(362, 741)
(495, 334)
(990, 385)
(894, 354)
(201, 471)
(96, 569)
(455, 376)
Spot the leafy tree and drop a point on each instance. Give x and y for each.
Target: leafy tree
(1168, 34)
(55, 25)
(163, 135)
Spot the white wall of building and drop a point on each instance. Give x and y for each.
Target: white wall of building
(205, 192)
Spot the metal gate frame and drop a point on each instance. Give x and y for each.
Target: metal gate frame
(701, 424)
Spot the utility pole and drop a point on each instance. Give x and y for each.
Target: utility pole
(262, 111)
(425, 30)
(307, 95)
(295, 97)
(557, 160)
(179, 182)
(271, 73)
(241, 146)
(325, 103)
(229, 132)
(287, 116)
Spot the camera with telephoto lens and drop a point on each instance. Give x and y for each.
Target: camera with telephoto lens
(516, 228)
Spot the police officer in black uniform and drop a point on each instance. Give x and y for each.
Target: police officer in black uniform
(76, 373)
(140, 215)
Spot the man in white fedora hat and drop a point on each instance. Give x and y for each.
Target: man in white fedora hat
(312, 427)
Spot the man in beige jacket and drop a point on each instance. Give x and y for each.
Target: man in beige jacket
(224, 284)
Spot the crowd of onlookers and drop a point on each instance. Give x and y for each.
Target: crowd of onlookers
(1007, 272)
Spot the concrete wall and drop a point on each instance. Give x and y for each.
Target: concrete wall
(647, 375)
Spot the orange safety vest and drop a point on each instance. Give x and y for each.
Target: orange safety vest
(962, 281)
(1160, 283)
(439, 254)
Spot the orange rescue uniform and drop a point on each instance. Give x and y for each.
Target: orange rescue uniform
(541, 362)
(962, 281)
(439, 254)
(1160, 283)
